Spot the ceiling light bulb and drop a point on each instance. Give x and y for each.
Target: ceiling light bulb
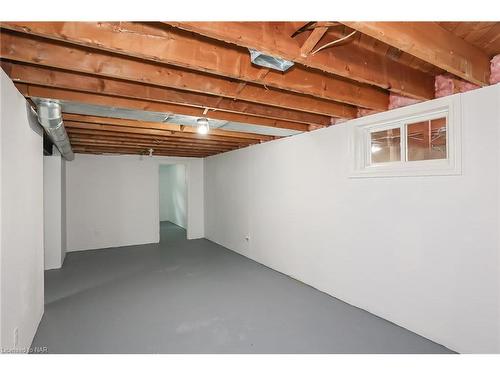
(202, 125)
(202, 129)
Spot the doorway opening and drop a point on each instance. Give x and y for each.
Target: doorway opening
(173, 197)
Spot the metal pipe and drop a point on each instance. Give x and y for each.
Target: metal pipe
(49, 114)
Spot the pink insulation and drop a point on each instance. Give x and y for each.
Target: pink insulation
(445, 85)
(495, 70)
(315, 127)
(396, 101)
(335, 121)
(362, 112)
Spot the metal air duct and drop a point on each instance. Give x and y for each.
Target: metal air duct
(50, 117)
(267, 61)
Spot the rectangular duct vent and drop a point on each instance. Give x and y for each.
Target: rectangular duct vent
(267, 61)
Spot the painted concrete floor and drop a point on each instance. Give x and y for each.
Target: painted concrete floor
(195, 296)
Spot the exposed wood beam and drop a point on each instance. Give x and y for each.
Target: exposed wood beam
(147, 142)
(32, 74)
(100, 134)
(82, 149)
(312, 40)
(164, 126)
(85, 132)
(118, 102)
(113, 129)
(350, 61)
(33, 50)
(142, 145)
(172, 46)
(433, 44)
(140, 148)
(123, 130)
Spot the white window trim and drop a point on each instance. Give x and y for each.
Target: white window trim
(360, 140)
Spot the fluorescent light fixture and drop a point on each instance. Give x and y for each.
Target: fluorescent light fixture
(202, 125)
(267, 61)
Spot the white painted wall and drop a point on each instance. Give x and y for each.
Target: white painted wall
(114, 200)
(21, 248)
(422, 252)
(173, 194)
(1, 200)
(64, 240)
(54, 210)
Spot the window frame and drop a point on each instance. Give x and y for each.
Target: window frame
(362, 128)
(368, 140)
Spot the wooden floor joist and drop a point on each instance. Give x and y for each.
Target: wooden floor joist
(142, 145)
(105, 131)
(85, 149)
(203, 69)
(119, 102)
(153, 132)
(37, 75)
(349, 61)
(175, 47)
(103, 134)
(173, 128)
(48, 53)
(433, 44)
(75, 137)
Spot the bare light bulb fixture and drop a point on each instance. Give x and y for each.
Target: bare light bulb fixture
(203, 127)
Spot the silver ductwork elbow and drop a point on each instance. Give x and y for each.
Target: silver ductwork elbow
(49, 114)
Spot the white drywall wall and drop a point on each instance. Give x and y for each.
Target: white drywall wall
(63, 211)
(114, 200)
(21, 249)
(53, 211)
(173, 194)
(422, 252)
(1, 201)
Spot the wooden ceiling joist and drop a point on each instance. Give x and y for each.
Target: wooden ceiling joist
(38, 75)
(349, 61)
(86, 149)
(91, 132)
(156, 146)
(122, 130)
(161, 43)
(99, 134)
(433, 44)
(203, 69)
(99, 143)
(54, 54)
(119, 102)
(172, 128)
(149, 142)
(138, 147)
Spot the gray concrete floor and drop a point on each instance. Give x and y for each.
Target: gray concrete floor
(195, 296)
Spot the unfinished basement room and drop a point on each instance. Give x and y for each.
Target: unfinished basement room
(261, 187)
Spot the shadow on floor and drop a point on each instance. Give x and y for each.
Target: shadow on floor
(195, 296)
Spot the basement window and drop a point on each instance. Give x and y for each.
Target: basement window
(426, 140)
(385, 145)
(418, 140)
